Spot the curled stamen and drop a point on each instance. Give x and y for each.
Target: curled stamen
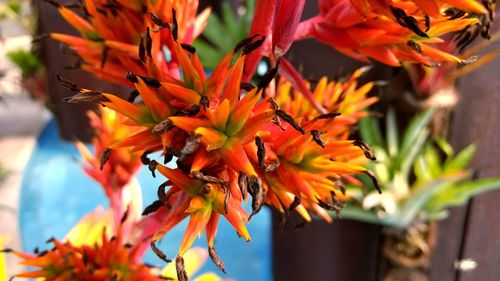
(366, 149)
(159, 253)
(152, 208)
(215, 258)
(289, 119)
(104, 158)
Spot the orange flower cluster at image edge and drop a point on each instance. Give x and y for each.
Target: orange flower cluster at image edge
(390, 31)
(109, 259)
(111, 36)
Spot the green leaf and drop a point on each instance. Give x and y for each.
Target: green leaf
(359, 214)
(432, 160)
(392, 133)
(407, 156)
(421, 169)
(458, 194)
(462, 159)
(420, 195)
(370, 131)
(444, 146)
(414, 129)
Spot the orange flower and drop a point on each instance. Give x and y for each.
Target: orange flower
(304, 161)
(110, 39)
(389, 31)
(110, 259)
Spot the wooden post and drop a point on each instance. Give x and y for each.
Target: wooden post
(474, 232)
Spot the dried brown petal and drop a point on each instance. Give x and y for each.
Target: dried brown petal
(243, 185)
(289, 119)
(215, 258)
(367, 150)
(181, 272)
(158, 252)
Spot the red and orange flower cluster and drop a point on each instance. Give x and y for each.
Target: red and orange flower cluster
(232, 140)
(391, 31)
(110, 38)
(109, 259)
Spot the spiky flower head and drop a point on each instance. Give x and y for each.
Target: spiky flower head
(111, 34)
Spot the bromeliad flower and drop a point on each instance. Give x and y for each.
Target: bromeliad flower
(122, 164)
(304, 160)
(109, 259)
(112, 32)
(389, 31)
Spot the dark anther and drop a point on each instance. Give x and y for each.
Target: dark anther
(162, 127)
(255, 186)
(159, 253)
(151, 82)
(205, 189)
(104, 158)
(152, 167)
(407, 21)
(50, 240)
(454, 13)
(68, 84)
(204, 102)
(268, 77)
(132, 96)
(366, 149)
(245, 42)
(125, 215)
(374, 180)
(128, 245)
(149, 43)
(289, 119)
(227, 196)
(243, 185)
(174, 27)
(159, 22)
(131, 76)
(273, 103)
(427, 22)
(189, 48)
(104, 56)
(247, 86)
(331, 206)
(296, 202)
(215, 258)
(144, 157)
(174, 152)
(261, 152)
(198, 175)
(167, 157)
(330, 115)
(181, 272)
(415, 46)
(247, 49)
(6, 250)
(162, 196)
(142, 53)
(191, 145)
(153, 207)
(317, 139)
(86, 97)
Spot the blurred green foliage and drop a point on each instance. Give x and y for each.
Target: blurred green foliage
(419, 178)
(224, 31)
(26, 61)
